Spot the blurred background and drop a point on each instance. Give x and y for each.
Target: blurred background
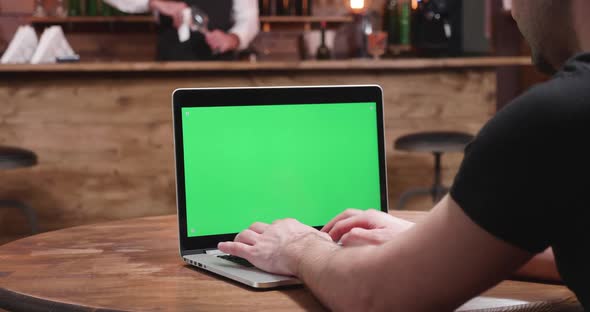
(84, 88)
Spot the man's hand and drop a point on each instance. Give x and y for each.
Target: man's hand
(173, 9)
(357, 227)
(275, 248)
(222, 42)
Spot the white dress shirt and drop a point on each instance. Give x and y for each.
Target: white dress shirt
(244, 12)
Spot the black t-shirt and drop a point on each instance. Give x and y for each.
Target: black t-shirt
(526, 176)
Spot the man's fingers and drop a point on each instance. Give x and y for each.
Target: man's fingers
(346, 214)
(361, 237)
(248, 237)
(237, 249)
(259, 227)
(177, 20)
(344, 226)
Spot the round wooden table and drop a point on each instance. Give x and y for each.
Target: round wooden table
(135, 265)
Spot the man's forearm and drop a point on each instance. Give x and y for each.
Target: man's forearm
(334, 274)
(541, 267)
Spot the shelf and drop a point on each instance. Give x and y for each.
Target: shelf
(151, 19)
(92, 19)
(305, 19)
(334, 65)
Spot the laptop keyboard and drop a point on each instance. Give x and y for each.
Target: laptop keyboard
(237, 260)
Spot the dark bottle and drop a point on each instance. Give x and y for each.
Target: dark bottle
(323, 52)
(282, 7)
(390, 21)
(303, 7)
(405, 22)
(74, 8)
(264, 7)
(288, 7)
(91, 7)
(299, 7)
(273, 7)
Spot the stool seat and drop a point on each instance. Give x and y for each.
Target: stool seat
(12, 157)
(434, 142)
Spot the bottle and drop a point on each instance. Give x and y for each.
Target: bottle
(323, 52)
(273, 7)
(303, 7)
(91, 7)
(74, 8)
(264, 7)
(286, 7)
(60, 9)
(405, 31)
(390, 21)
(292, 8)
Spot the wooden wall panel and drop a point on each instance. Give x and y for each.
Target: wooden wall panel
(105, 140)
(12, 14)
(9, 7)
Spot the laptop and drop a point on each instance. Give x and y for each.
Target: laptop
(260, 154)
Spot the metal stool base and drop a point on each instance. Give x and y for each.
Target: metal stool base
(26, 209)
(437, 190)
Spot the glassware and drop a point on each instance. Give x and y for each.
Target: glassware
(60, 9)
(200, 23)
(376, 39)
(39, 10)
(200, 20)
(377, 44)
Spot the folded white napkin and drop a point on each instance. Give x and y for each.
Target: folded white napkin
(22, 47)
(53, 44)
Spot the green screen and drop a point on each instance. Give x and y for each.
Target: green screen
(244, 164)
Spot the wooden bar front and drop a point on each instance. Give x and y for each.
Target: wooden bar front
(103, 131)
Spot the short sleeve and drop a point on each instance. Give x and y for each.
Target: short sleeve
(502, 184)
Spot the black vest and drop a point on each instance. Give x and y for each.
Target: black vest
(171, 49)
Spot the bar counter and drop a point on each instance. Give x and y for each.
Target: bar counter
(343, 65)
(103, 131)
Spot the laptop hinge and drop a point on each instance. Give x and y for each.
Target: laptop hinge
(211, 251)
(193, 252)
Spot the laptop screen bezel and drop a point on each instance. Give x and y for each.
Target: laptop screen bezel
(219, 97)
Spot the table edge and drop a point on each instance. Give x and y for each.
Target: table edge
(14, 301)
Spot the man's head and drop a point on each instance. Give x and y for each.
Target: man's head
(552, 28)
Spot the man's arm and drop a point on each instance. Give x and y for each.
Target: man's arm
(245, 29)
(371, 227)
(247, 24)
(130, 6)
(173, 9)
(541, 267)
(436, 265)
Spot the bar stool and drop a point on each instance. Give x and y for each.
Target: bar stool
(11, 158)
(437, 143)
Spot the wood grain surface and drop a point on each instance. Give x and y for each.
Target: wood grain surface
(135, 265)
(104, 140)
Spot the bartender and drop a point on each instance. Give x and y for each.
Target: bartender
(233, 24)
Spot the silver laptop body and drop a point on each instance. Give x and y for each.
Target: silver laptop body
(201, 252)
